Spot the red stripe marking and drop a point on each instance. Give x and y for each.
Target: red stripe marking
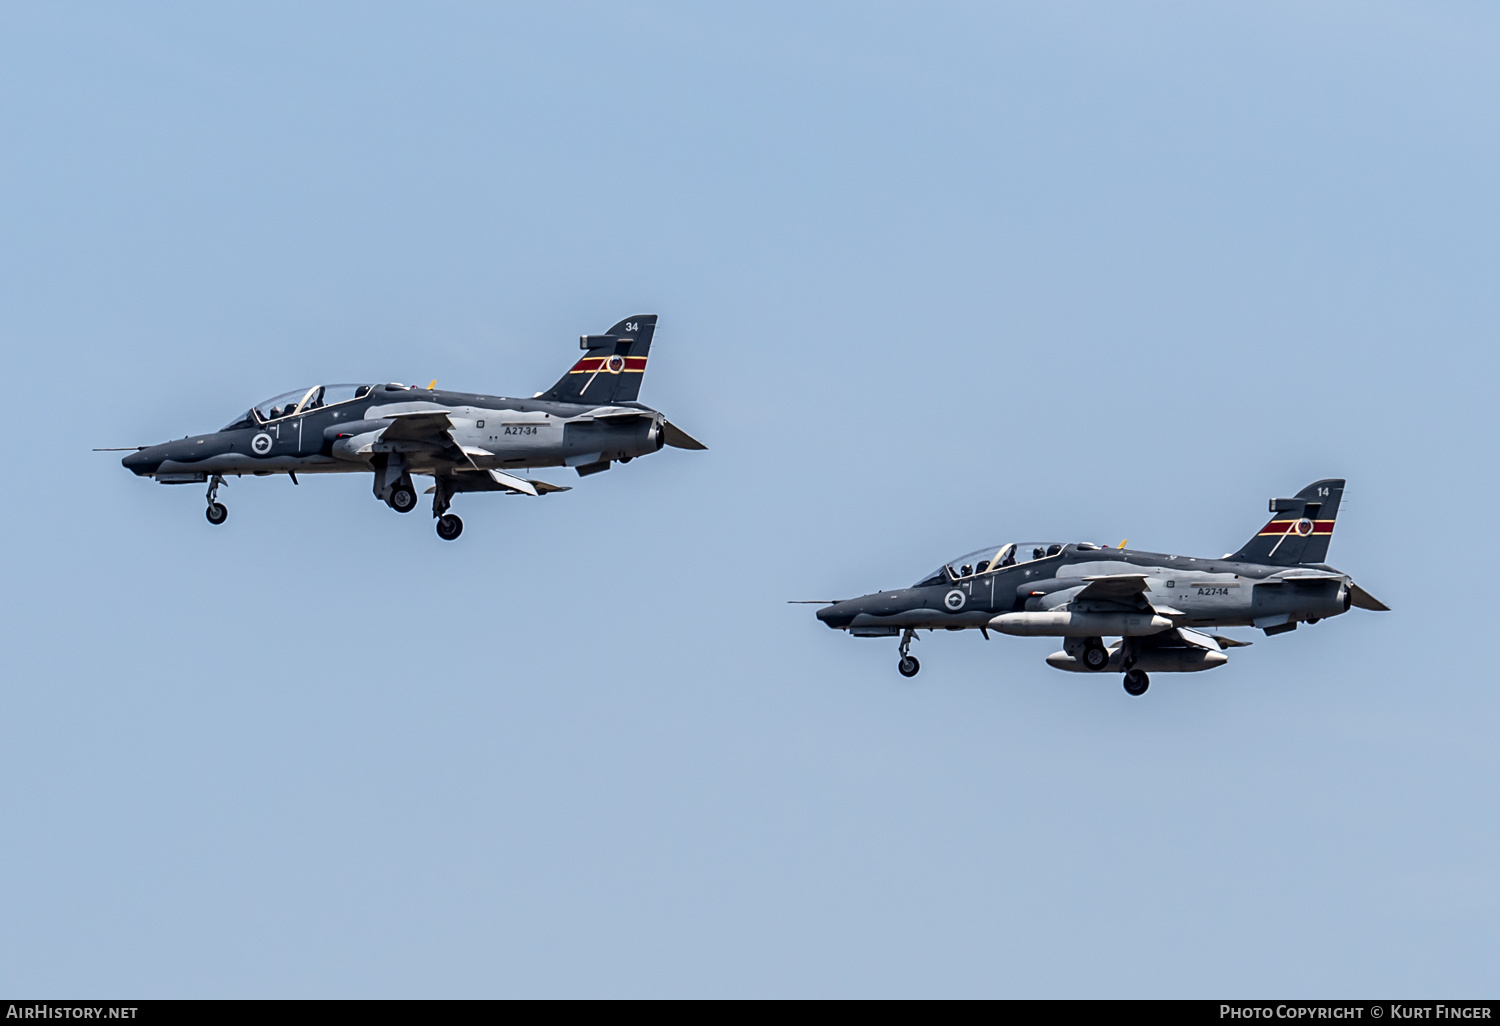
(590, 364)
(1279, 527)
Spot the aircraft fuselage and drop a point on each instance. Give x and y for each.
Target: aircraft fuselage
(494, 431)
(1199, 592)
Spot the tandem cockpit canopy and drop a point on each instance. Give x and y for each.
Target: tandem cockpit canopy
(299, 401)
(993, 557)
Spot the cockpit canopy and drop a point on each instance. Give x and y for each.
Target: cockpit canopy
(992, 557)
(300, 401)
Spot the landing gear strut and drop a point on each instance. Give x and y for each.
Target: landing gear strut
(393, 482)
(217, 512)
(908, 666)
(449, 526)
(1136, 682)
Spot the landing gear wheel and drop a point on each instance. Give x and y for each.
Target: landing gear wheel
(908, 666)
(1136, 682)
(449, 527)
(1095, 657)
(217, 513)
(403, 499)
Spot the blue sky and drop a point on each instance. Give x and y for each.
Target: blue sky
(929, 277)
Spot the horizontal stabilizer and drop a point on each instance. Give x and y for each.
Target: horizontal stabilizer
(678, 438)
(1364, 600)
(613, 413)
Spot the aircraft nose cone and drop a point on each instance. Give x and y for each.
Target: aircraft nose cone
(837, 615)
(143, 463)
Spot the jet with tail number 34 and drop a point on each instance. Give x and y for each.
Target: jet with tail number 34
(465, 442)
(1163, 609)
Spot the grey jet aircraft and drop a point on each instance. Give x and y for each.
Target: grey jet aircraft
(1162, 608)
(463, 441)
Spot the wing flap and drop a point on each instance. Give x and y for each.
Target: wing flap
(513, 483)
(1199, 639)
(466, 480)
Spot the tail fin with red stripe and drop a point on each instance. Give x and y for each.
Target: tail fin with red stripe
(1299, 529)
(611, 369)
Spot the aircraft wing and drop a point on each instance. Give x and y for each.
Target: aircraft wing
(419, 426)
(1114, 587)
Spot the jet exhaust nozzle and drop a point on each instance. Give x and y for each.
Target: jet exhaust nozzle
(1079, 625)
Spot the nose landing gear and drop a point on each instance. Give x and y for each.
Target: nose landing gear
(908, 666)
(217, 512)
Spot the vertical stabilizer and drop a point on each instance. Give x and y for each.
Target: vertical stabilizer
(612, 366)
(1300, 528)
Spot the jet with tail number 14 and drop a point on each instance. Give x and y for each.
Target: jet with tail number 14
(465, 442)
(1162, 608)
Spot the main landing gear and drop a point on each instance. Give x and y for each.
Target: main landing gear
(1136, 681)
(393, 482)
(217, 512)
(403, 498)
(908, 666)
(1095, 655)
(449, 527)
